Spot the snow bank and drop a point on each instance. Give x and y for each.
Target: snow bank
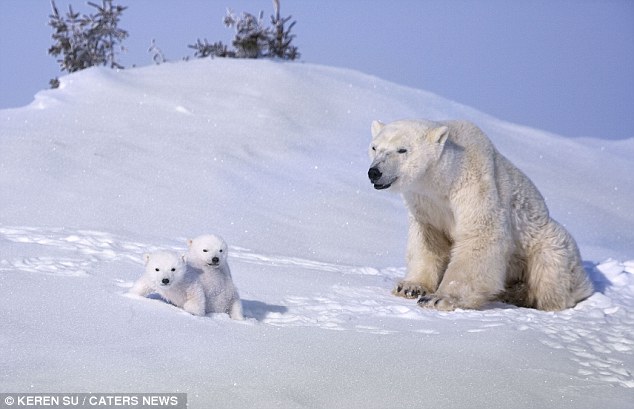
(273, 157)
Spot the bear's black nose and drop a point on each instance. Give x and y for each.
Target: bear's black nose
(165, 281)
(215, 260)
(374, 174)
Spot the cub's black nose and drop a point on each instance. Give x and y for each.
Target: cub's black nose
(215, 260)
(165, 281)
(374, 174)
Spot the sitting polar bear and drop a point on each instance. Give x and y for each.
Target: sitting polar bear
(166, 275)
(479, 229)
(207, 257)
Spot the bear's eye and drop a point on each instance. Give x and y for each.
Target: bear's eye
(221, 250)
(374, 148)
(157, 269)
(402, 150)
(205, 250)
(173, 269)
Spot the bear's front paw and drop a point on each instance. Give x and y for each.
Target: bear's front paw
(409, 289)
(436, 302)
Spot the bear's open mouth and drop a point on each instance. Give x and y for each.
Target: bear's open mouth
(380, 187)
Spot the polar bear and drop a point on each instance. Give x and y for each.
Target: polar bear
(166, 274)
(207, 257)
(479, 229)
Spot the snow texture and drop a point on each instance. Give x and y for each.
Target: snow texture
(272, 156)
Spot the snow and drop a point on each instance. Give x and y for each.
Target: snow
(273, 157)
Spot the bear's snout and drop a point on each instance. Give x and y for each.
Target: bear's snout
(165, 281)
(374, 174)
(215, 260)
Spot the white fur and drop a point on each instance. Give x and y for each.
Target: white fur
(479, 229)
(207, 257)
(166, 275)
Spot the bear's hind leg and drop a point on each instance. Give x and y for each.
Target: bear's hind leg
(476, 273)
(547, 286)
(555, 277)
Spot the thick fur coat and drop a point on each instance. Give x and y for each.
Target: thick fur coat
(166, 274)
(479, 229)
(207, 257)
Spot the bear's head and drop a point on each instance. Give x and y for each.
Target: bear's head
(164, 268)
(207, 250)
(402, 151)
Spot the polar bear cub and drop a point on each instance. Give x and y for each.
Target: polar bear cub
(166, 274)
(207, 257)
(479, 230)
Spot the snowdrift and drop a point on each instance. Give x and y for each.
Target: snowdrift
(273, 157)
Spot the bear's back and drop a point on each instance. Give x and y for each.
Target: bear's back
(514, 187)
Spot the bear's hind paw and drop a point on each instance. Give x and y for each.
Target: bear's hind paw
(436, 302)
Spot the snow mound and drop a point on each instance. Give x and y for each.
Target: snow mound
(273, 157)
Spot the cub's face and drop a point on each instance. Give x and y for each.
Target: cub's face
(402, 151)
(207, 250)
(164, 268)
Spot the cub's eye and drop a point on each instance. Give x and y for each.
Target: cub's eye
(157, 269)
(173, 269)
(374, 148)
(402, 150)
(205, 250)
(221, 250)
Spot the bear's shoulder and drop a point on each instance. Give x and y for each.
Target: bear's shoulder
(468, 136)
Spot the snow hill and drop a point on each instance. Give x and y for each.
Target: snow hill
(273, 157)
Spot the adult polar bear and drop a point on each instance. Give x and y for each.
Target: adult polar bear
(479, 229)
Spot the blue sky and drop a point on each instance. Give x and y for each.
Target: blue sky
(560, 65)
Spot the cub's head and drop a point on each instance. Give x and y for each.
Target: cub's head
(207, 250)
(164, 268)
(402, 151)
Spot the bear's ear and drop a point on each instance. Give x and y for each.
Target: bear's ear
(189, 243)
(438, 135)
(146, 258)
(377, 126)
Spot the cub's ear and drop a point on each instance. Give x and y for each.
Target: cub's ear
(146, 258)
(438, 135)
(377, 126)
(189, 243)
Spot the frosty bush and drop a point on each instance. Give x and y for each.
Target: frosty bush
(253, 39)
(218, 49)
(281, 38)
(87, 40)
(157, 54)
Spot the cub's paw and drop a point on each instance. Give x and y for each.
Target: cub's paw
(408, 289)
(436, 302)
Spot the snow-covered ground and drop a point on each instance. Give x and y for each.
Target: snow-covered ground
(273, 157)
